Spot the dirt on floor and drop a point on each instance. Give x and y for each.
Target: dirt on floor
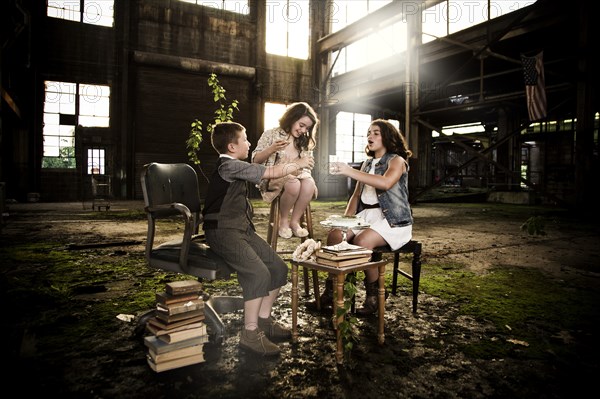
(423, 355)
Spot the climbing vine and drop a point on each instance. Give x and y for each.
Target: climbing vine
(223, 113)
(348, 325)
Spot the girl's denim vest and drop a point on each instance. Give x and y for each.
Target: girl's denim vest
(394, 202)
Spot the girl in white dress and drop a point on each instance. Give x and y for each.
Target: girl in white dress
(380, 198)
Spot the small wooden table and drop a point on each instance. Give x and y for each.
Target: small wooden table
(340, 276)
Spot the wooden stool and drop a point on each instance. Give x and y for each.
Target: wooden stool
(273, 235)
(412, 247)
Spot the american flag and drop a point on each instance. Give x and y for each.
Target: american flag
(535, 91)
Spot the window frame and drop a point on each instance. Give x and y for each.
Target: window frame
(83, 12)
(274, 38)
(62, 114)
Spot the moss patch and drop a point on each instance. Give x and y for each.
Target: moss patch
(533, 313)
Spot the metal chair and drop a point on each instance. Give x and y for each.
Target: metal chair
(171, 190)
(101, 191)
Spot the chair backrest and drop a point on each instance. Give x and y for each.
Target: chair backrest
(168, 183)
(165, 186)
(101, 185)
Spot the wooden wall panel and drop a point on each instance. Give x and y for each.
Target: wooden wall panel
(167, 101)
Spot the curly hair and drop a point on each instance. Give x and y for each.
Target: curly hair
(392, 139)
(294, 112)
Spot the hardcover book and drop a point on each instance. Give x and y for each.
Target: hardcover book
(344, 262)
(176, 354)
(177, 336)
(343, 255)
(161, 331)
(176, 363)
(179, 316)
(159, 346)
(167, 299)
(342, 248)
(180, 307)
(183, 287)
(158, 323)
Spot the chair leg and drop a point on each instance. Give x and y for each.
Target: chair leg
(214, 322)
(273, 226)
(306, 221)
(416, 272)
(395, 275)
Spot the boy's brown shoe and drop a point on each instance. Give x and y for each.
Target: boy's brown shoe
(272, 329)
(257, 342)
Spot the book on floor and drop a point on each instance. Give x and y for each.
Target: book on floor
(176, 354)
(166, 299)
(344, 262)
(167, 318)
(177, 336)
(175, 363)
(159, 346)
(180, 307)
(158, 323)
(183, 287)
(343, 255)
(161, 331)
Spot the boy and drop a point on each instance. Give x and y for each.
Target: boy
(230, 233)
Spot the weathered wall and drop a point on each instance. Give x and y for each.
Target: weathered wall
(71, 52)
(157, 59)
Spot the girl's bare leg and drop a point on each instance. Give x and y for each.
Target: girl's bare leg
(306, 193)
(369, 239)
(288, 198)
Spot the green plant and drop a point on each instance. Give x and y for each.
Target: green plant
(347, 326)
(534, 225)
(224, 113)
(64, 160)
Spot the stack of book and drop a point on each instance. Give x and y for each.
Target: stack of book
(343, 255)
(178, 329)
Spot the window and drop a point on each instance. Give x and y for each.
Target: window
(377, 46)
(287, 30)
(525, 160)
(237, 6)
(451, 16)
(95, 12)
(345, 12)
(396, 124)
(96, 161)
(273, 111)
(67, 105)
(351, 136)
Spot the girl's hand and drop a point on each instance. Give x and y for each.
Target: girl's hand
(339, 168)
(278, 145)
(306, 162)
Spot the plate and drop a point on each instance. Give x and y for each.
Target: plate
(345, 221)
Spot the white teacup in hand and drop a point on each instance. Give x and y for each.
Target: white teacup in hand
(333, 167)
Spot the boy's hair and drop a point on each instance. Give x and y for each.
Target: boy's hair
(224, 133)
(391, 138)
(294, 112)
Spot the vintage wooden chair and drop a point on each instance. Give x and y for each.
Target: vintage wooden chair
(412, 247)
(273, 236)
(172, 191)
